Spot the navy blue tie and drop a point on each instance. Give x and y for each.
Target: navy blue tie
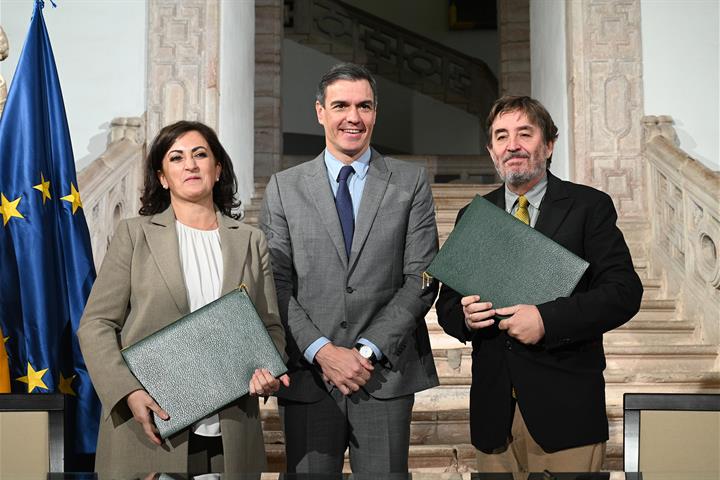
(343, 203)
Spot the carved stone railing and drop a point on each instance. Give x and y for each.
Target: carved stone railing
(393, 52)
(110, 185)
(685, 216)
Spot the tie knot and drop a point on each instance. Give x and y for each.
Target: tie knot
(523, 201)
(345, 172)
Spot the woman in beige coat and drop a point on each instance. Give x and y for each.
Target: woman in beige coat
(185, 250)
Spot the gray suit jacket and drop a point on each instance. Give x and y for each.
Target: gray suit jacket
(375, 294)
(139, 290)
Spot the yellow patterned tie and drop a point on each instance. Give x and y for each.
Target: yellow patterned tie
(522, 213)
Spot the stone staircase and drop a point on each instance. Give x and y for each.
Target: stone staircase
(388, 50)
(657, 351)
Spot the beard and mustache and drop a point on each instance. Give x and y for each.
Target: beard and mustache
(536, 167)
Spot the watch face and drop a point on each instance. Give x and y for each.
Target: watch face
(366, 352)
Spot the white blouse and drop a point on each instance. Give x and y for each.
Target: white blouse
(202, 266)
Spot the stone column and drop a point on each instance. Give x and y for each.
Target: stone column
(514, 33)
(182, 62)
(268, 115)
(605, 90)
(237, 86)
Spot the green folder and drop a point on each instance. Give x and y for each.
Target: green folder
(494, 255)
(203, 361)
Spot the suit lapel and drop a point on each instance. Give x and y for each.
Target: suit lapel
(554, 207)
(162, 240)
(376, 183)
(317, 185)
(497, 197)
(234, 242)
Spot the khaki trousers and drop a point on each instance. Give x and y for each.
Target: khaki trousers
(524, 455)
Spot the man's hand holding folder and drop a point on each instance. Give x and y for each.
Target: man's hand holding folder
(524, 322)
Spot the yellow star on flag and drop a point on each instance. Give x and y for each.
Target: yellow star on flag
(8, 209)
(44, 187)
(66, 385)
(73, 198)
(34, 379)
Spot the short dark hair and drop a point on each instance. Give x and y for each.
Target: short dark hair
(345, 71)
(156, 199)
(534, 110)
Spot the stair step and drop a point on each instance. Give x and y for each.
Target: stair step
(667, 358)
(651, 332)
(457, 362)
(652, 288)
(635, 332)
(454, 388)
(648, 333)
(656, 309)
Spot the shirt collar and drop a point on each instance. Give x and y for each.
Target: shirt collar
(534, 195)
(360, 165)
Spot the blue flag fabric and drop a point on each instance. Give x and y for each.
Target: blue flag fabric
(46, 267)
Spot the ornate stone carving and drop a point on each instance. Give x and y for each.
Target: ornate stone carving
(110, 185)
(685, 245)
(669, 216)
(707, 261)
(183, 40)
(127, 128)
(660, 125)
(4, 51)
(605, 62)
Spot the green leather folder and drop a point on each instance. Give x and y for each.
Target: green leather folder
(203, 361)
(493, 254)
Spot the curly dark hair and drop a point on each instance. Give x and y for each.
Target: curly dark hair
(156, 199)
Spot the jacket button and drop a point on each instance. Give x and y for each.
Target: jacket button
(508, 344)
(343, 324)
(349, 290)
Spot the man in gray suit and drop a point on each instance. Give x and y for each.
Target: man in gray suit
(350, 234)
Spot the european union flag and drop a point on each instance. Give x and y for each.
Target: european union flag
(46, 267)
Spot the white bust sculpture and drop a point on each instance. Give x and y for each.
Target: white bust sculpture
(4, 51)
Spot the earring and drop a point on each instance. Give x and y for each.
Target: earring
(164, 185)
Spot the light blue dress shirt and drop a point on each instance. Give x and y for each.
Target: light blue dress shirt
(534, 197)
(356, 181)
(356, 185)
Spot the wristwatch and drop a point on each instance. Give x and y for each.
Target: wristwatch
(366, 352)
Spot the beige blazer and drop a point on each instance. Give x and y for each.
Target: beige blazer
(139, 290)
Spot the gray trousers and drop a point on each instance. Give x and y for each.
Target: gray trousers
(377, 432)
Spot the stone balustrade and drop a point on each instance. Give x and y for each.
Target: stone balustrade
(111, 184)
(351, 34)
(685, 216)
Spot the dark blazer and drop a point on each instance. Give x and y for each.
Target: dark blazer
(375, 294)
(559, 382)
